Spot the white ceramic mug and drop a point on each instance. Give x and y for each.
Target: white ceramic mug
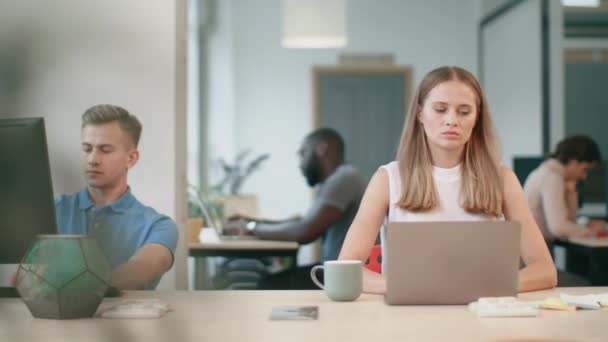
(343, 279)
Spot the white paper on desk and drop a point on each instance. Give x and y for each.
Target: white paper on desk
(294, 313)
(602, 299)
(591, 301)
(503, 307)
(136, 308)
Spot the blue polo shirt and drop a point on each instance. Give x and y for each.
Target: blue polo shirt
(120, 228)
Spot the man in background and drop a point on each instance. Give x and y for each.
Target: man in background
(339, 191)
(551, 189)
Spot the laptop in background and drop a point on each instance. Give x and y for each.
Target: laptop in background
(213, 220)
(450, 262)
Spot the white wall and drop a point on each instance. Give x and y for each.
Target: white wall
(221, 78)
(557, 106)
(194, 103)
(512, 78)
(268, 103)
(488, 6)
(75, 54)
(512, 50)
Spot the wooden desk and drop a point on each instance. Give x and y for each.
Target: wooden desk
(211, 245)
(590, 242)
(587, 257)
(243, 316)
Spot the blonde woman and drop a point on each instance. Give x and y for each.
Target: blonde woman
(448, 169)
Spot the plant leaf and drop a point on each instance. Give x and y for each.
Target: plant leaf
(241, 156)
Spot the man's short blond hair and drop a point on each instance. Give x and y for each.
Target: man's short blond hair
(106, 113)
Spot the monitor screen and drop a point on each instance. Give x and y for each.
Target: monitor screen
(594, 187)
(523, 166)
(26, 194)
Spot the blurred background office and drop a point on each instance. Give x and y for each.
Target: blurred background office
(211, 79)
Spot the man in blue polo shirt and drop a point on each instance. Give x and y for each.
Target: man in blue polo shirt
(138, 241)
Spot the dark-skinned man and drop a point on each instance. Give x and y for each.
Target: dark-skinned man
(339, 191)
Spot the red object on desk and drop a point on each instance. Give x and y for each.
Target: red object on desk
(601, 234)
(374, 260)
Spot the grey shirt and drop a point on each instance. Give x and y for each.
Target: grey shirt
(343, 189)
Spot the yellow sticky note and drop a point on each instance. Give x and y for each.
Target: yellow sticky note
(553, 303)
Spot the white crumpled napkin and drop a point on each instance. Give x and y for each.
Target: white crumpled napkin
(503, 307)
(136, 308)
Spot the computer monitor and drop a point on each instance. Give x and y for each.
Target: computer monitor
(26, 193)
(593, 191)
(594, 187)
(524, 165)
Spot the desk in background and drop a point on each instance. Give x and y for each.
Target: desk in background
(586, 257)
(238, 316)
(593, 210)
(212, 246)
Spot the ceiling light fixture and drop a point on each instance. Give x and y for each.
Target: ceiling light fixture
(314, 24)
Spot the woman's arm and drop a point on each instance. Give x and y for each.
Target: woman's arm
(364, 229)
(539, 272)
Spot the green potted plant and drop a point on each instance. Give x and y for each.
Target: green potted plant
(234, 175)
(234, 202)
(202, 206)
(224, 198)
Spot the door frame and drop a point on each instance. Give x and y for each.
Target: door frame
(319, 70)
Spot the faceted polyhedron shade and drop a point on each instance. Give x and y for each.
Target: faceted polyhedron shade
(63, 277)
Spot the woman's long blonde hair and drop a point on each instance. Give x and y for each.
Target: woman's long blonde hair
(481, 189)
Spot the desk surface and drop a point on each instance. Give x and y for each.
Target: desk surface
(243, 316)
(210, 240)
(590, 241)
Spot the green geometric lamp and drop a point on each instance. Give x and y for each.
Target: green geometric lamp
(63, 277)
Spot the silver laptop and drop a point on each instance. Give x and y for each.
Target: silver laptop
(214, 220)
(450, 262)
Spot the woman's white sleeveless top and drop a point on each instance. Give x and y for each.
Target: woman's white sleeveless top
(447, 183)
